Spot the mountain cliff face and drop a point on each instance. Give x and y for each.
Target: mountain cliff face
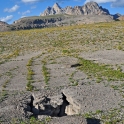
(90, 8)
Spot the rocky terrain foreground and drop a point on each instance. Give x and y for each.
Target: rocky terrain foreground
(70, 74)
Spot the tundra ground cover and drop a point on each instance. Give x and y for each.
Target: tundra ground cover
(57, 42)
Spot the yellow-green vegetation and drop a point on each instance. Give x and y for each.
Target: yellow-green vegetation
(72, 80)
(9, 74)
(111, 117)
(68, 39)
(9, 56)
(100, 71)
(5, 83)
(3, 95)
(45, 72)
(30, 74)
(30, 62)
(32, 120)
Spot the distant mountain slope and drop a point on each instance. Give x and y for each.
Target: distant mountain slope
(3, 23)
(55, 20)
(3, 26)
(58, 20)
(90, 8)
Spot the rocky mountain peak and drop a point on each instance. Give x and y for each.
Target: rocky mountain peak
(90, 8)
(56, 6)
(57, 9)
(91, 3)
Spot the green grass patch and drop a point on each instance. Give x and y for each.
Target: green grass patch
(109, 117)
(100, 71)
(5, 83)
(13, 54)
(72, 80)
(45, 73)
(29, 86)
(30, 73)
(31, 120)
(30, 62)
(3, 95)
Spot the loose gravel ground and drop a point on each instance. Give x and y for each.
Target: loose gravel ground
(90, 96)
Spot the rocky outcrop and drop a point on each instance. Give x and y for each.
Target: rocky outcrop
(36, 22)
(41, 105)
(62, 105)
(116, 16)
(121, 18)
(71, 101)
(90, 8)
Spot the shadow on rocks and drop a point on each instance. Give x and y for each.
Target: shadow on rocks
(93, 121)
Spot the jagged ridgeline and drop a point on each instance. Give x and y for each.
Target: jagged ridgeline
(89, 8)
